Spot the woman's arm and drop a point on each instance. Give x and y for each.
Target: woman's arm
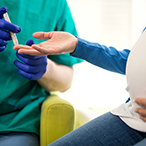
(108, 58)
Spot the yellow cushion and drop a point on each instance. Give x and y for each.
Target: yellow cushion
(57, 119)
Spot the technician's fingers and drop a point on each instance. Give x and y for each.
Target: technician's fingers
(2, 11)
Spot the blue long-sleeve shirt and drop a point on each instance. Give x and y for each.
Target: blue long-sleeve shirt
(107, 58)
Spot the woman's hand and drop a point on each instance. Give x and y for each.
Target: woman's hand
(142, 110)
(58, 43)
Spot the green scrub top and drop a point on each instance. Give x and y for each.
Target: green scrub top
(20, 98)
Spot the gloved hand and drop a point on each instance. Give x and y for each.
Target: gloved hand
(4, 28)
(31, 67)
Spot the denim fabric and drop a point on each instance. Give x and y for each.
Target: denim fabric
(106, 130)
(141, 143)
(19, 139)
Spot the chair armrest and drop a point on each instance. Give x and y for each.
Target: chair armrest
(57, 119)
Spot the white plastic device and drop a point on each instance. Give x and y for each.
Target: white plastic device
(13, 35)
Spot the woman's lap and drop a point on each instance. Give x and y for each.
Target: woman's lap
(106, 130)
(19, 139)
(141, 143)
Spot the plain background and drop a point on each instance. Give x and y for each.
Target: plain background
(116, 23)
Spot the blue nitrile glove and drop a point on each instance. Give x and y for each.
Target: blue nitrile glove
(4, 28)
(31, 67)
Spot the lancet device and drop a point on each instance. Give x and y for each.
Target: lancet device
(13, 35)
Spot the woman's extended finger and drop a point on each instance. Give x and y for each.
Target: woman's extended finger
(17, 47)
(46, 51)
(28, 50)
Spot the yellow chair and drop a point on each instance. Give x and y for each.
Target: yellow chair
(57, 119)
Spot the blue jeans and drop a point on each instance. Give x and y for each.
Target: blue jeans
(19, 139)
(106, 130)
(141, 143)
